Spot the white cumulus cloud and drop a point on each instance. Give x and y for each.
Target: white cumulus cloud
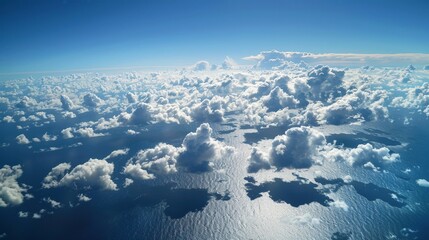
(11, 192)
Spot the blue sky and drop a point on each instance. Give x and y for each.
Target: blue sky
(64, 35)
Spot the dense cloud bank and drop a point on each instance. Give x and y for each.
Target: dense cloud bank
(284, 90)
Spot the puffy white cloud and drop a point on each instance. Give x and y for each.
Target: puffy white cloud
(258, 160)
(67, 133)
(306, 220)
(68, 114)
(47, 138)
(88, 132)
(416, 98)
(92, 100)
(325, 83)
(200, 150)
(93, 173)
(128, 182)
(22, 139)
(8, 119)
(53, 177)
(131, 97)
(301, 147)
(117, 153)
(277, 99)
(422, 182)
(136, 171)
(11, 193)
(66, 103)
(158, 160)
(22, 214)
(26, 102)
(208, 111)
(347, 179)
(359, 105)
(131, 132)
(53, 203)
(297, 148)
(201, 66)
(197, 153)
(339, 204)
(83, 198)
(141, 115)
(363, 155)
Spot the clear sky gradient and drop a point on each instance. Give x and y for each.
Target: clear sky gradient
(63, 35)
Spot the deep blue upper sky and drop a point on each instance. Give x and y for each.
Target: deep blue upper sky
(61, 35)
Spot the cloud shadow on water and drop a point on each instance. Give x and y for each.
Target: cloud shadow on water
(353, 140)
(179, 201)
(295, 193)
(263, 133)
(370, 191)
(341, 236)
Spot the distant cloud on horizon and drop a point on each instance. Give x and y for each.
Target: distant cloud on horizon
(340, 59)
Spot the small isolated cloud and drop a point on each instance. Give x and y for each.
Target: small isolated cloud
(53, 203)
(93, 173)
(47, 138)
(68, 114)
(22, 214)
(128, 182)
(422, 182)
(131, 132)
(67, 133)
(88, 132)
(8, 119)
(306, 220)
(117, 153)
(11, 193)
(339, 204)
(82, 198)
(347, 179)
(22, 139)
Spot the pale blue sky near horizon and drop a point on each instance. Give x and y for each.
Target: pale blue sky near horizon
(65, 35)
